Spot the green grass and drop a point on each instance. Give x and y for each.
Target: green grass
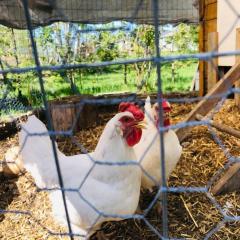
(183, 78)
(100, 83)
(106, 82)
(113, 82)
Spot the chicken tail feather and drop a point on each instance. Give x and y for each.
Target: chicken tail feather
(37, 153)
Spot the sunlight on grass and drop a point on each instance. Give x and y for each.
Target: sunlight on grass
(111, 81)
(108, 82)
(114, 82)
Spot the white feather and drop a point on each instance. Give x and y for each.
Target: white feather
(148, 150)
(110, 189)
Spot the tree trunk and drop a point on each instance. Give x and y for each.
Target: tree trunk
(145, 77)
(125, 74)
(173, 72)
(15, 47)
(5, 79)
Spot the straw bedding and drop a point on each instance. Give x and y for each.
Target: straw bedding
(191, 215)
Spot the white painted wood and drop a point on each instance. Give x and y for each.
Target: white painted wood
(227, 22)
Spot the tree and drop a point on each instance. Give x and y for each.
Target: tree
(183, 40)
(107, 49)
(6, 57)
(143, 46)
(57, 43)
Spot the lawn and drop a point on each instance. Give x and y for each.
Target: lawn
(112, 81)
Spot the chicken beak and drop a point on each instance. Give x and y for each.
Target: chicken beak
(141, 124)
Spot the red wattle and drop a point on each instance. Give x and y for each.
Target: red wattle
(166, 122)
(134, 137)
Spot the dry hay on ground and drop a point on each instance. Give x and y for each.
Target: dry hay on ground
(200, 160)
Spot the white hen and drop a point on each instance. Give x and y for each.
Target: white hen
(112, 190)
(148, 149)
(151, 162)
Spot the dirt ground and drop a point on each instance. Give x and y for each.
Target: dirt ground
(191, 215)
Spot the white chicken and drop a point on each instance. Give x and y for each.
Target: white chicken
(112, 190)
(148, 149)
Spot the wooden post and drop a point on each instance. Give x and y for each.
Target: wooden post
(229, 182)
(237, 84)
(206, 105)
(221, 127)
(195, 79)
(63, 115)
(212, 68)
(201, 63)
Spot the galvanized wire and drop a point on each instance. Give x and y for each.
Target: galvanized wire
(163, 190)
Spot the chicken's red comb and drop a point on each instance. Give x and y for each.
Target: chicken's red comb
(166, 105)
(132, 108)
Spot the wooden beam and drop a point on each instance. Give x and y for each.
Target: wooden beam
(208, 24)
(195, 79)
(206, 105)
(201, 63)
(212, 68)
(211, 11)
(211, 26)
(210, 1)
(229, 182)
(221, 127)
(237, 84)
(201, 79)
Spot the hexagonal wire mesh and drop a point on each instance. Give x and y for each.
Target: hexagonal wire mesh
(73, 191)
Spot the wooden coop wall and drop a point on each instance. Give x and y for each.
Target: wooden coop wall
(208, 25)
(227, 25)
(216, 27)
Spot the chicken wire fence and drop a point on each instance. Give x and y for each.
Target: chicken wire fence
(28, 18)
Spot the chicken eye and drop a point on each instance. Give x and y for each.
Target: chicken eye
(127, 119)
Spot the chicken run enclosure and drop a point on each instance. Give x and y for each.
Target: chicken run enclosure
(87, 68)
